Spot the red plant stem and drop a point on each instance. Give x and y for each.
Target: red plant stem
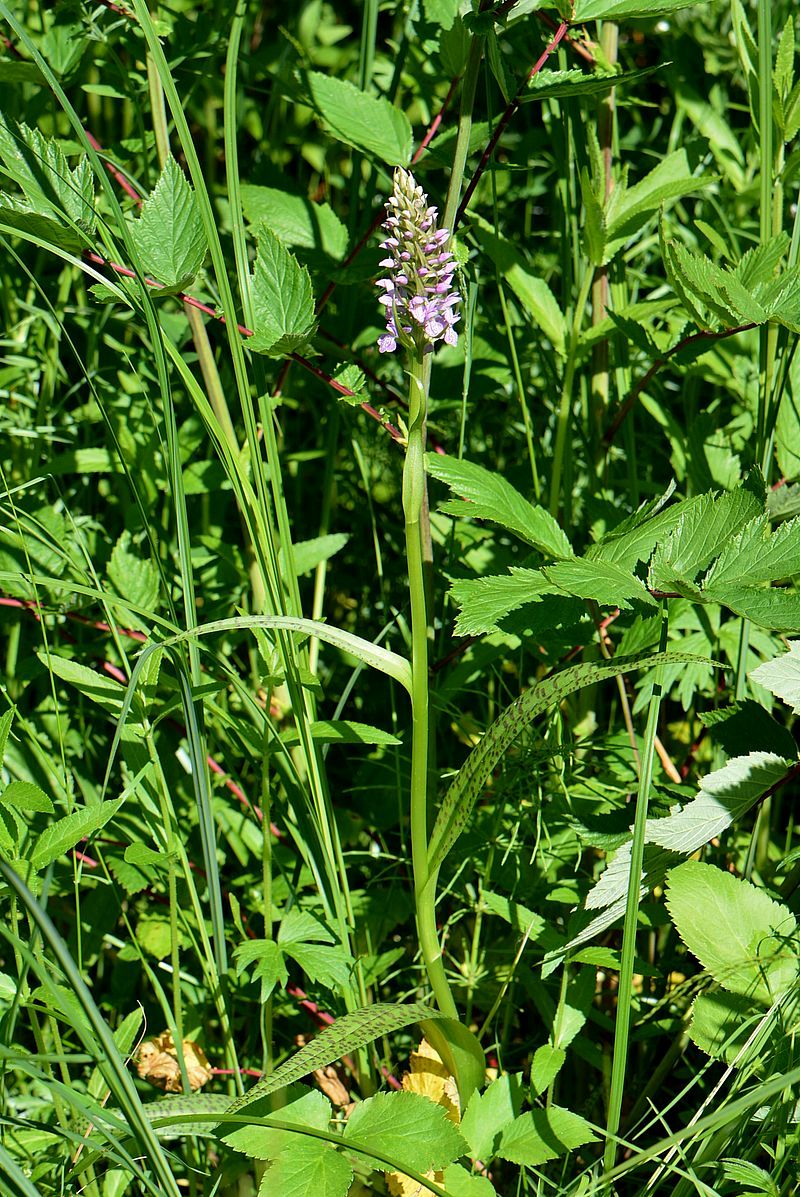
(248, 332)
(112, 169)
(511, 108)
(437, 120)
(627, 404)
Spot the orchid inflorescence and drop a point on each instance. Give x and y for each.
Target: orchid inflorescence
(418, 295)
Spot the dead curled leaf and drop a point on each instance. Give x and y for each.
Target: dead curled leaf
(157, 1062)
(429, 1077)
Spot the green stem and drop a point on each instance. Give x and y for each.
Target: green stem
(413, 505)
(625, 988)
(468, 86)
(565, 408)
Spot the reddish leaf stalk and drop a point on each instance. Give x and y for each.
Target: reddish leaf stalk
(506, 117)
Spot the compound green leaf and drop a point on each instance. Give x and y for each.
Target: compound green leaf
(488, 496)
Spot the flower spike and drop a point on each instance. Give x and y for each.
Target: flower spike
(418, 293)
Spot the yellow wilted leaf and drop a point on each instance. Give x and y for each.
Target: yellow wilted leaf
(157, 1062)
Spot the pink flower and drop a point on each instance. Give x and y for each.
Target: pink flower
(418, 293)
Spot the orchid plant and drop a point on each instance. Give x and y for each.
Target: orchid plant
(421, 310)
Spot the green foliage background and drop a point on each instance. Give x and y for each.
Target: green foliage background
(205, 730)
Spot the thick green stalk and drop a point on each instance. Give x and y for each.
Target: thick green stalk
(468, 85)
(625, 987)
(413, 504)
(565, 408)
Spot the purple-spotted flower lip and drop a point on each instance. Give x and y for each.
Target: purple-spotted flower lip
(417, 295)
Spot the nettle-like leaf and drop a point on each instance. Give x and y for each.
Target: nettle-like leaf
(743, 938)
(368, 123)
(283, 301)
(487, 495)
(169, 235)
(412, 1130)
(702, 533)
(38, 165)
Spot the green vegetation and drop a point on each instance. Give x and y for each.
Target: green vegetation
(397, 699)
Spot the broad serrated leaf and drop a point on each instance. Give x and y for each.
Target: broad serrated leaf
(368, 123)
(307, 1168)
(775, 609)
(458, 802)
(760, 264)
(542, 1135)
(486, 495)
(781, 676)
(26, 797)
(633, 541)
(133, 577)
(39, 166)
(756, 555)
(702, 532)
(296, 220)
(64, 834)
(308, 554)
(601, 581)
(20, 217)
(348, 1034)
(489, 1112)
(719, 289)
(484, 602)
(412, 1130)
(169, 235)
(283, 302)
(737, 932)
